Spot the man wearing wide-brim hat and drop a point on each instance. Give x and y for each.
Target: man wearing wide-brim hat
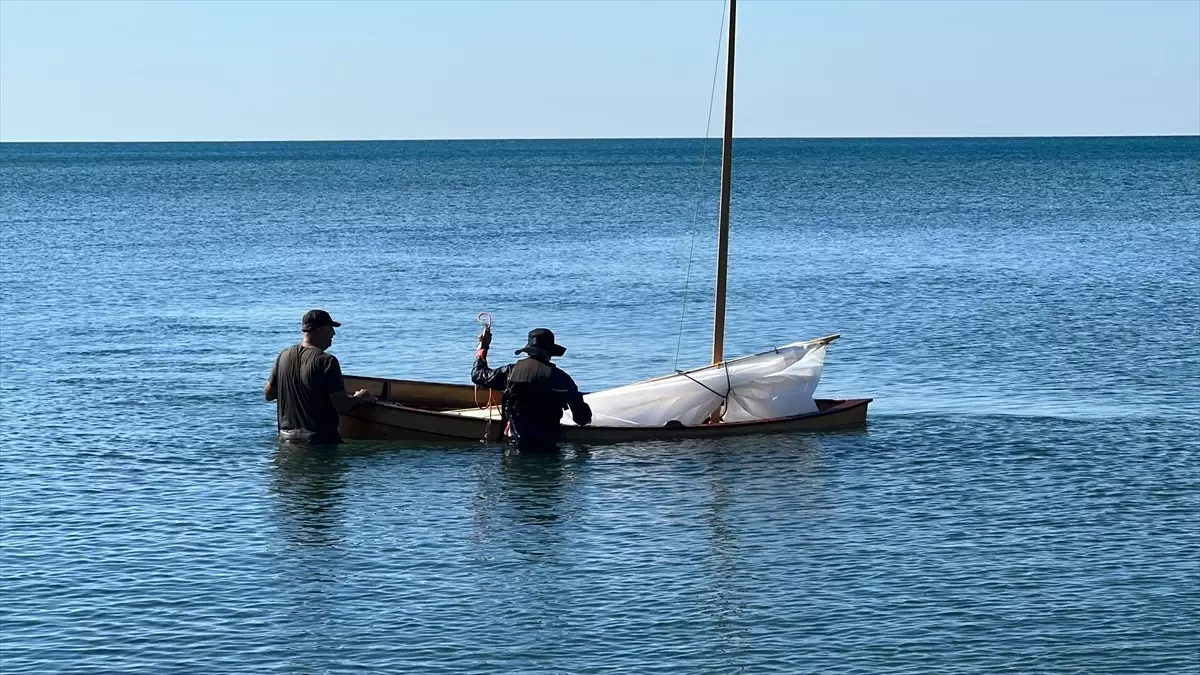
(536, 391)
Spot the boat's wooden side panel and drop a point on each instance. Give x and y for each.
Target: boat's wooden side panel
(393, 422)
(424, 395)
(390, 422)
(840, 414)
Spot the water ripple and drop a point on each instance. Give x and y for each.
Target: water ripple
(1025, 498)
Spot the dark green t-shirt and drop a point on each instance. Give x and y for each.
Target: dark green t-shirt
(303, 379)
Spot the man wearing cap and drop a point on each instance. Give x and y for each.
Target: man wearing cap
(535, 391)
(307, 381)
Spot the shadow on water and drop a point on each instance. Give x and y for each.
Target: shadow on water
(524, 502)
(310, 483)
(533, 483)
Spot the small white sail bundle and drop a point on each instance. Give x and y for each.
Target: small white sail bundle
(770, 385)
(778, 383)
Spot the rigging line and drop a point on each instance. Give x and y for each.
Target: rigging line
(710, 389)
(728, 392)
(699, 180)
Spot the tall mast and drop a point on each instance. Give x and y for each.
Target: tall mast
(726, 184)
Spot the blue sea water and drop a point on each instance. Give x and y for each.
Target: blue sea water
(1024, 499)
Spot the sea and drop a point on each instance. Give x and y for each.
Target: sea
(1024, 498)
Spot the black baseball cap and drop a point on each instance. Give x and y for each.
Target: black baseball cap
(315, 318)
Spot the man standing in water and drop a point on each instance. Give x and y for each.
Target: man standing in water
(307, 381)
(535, 391)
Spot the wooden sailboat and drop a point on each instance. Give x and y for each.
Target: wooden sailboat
(432, 411)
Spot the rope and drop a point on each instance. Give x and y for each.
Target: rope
(699, 179)
(485, 320)
(705, 385)
(729, 392)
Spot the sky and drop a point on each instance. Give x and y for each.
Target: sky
(181, 71)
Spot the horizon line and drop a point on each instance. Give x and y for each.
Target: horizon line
(607, 138)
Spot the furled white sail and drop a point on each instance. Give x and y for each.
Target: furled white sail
(778, 383)
(773, 384)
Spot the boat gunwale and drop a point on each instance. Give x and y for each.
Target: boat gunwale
(839, 405)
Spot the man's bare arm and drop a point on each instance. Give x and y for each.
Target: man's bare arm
(344, 404)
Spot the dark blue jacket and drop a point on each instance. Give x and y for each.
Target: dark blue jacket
(536, 392)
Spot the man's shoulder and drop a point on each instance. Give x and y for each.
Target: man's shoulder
(309, 355)
(325, 358)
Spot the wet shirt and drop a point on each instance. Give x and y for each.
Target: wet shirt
(303, 379)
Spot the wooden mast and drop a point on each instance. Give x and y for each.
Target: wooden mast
(726, 184)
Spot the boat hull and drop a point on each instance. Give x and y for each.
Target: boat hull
(416, 411)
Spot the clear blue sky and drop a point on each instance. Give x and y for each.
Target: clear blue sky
(102, 71)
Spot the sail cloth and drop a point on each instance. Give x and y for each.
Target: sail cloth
(778, 383)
